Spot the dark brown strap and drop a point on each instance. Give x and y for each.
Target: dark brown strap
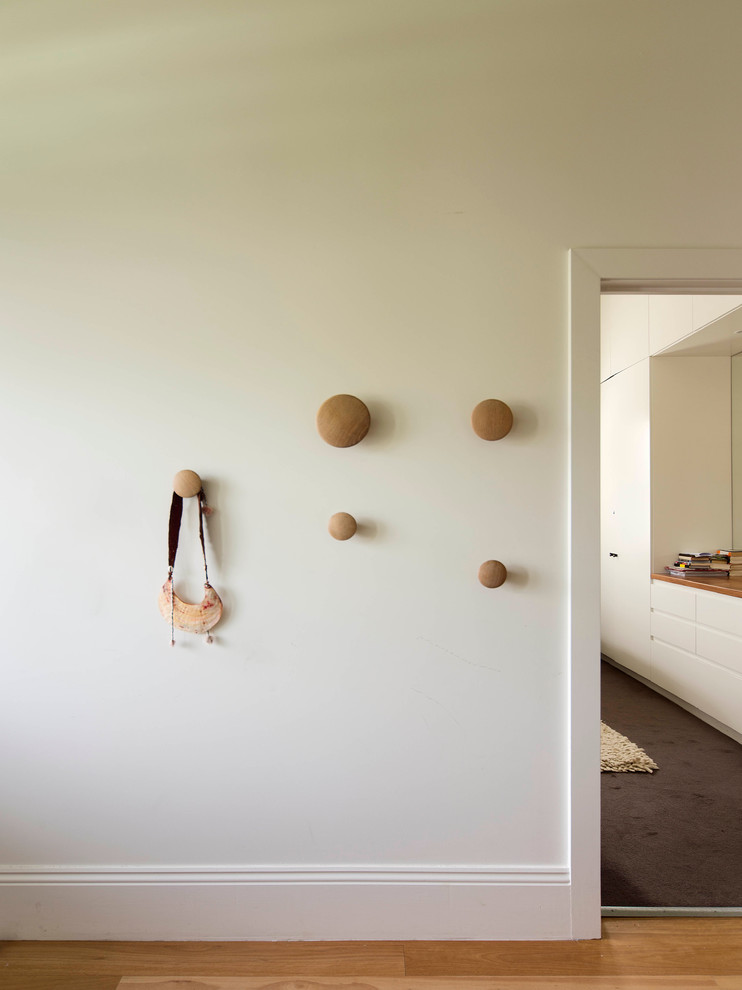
(176, 513)
(201, 499)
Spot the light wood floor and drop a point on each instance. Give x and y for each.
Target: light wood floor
(634, 954)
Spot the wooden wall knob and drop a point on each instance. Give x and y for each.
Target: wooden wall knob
(492, 419)
(186, 484)
(492, 573)
(343, 420)
(342, 526)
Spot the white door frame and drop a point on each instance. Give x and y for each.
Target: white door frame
(587, 266)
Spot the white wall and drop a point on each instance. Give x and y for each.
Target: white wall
(691, 463)
(736, 448)
(213, 217)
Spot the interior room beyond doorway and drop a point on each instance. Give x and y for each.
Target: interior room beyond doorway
(667, 482)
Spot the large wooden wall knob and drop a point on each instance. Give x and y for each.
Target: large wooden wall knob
(343, 420)
(492, 574)
(186, 484)
(492, 419)
(342, 526)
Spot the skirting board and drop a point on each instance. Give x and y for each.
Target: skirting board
(279, 904)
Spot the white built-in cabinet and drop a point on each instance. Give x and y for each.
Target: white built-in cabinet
(624, 332)
(626, 562)
(632, 327)
(665, 482)
(696, 649)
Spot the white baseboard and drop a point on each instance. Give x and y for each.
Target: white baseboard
(277, 903)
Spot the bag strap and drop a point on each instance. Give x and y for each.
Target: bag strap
(201, 501)
(176, 514)
(173, 536)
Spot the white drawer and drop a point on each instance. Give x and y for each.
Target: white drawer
(712, 689)
(674, 599)
(676, 671)
(720, 647)
(720, 612)
(676, 632)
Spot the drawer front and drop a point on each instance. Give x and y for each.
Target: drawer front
(720, 647)
(673, 599)
(720, 612)
(713, 690)
(676, 632)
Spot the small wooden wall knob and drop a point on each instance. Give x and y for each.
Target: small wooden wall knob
(492, 419)
(343, 420)
(186, 484)
(342, 526)
(492, 573)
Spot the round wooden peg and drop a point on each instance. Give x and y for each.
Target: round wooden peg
(492, 574)
(342, 526)
(343, 420)
(186, 484)
(492, 419)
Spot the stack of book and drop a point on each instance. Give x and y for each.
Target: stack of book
(733, 560)
(706, 564)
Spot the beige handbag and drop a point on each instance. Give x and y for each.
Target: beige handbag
(193, 618)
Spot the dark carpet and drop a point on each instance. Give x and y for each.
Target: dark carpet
(672, 838)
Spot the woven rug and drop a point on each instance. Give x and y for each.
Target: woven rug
(619, 754)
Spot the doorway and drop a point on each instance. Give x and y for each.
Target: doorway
(670, 839)
(717, 268)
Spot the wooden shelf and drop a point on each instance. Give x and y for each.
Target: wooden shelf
(722, 586)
